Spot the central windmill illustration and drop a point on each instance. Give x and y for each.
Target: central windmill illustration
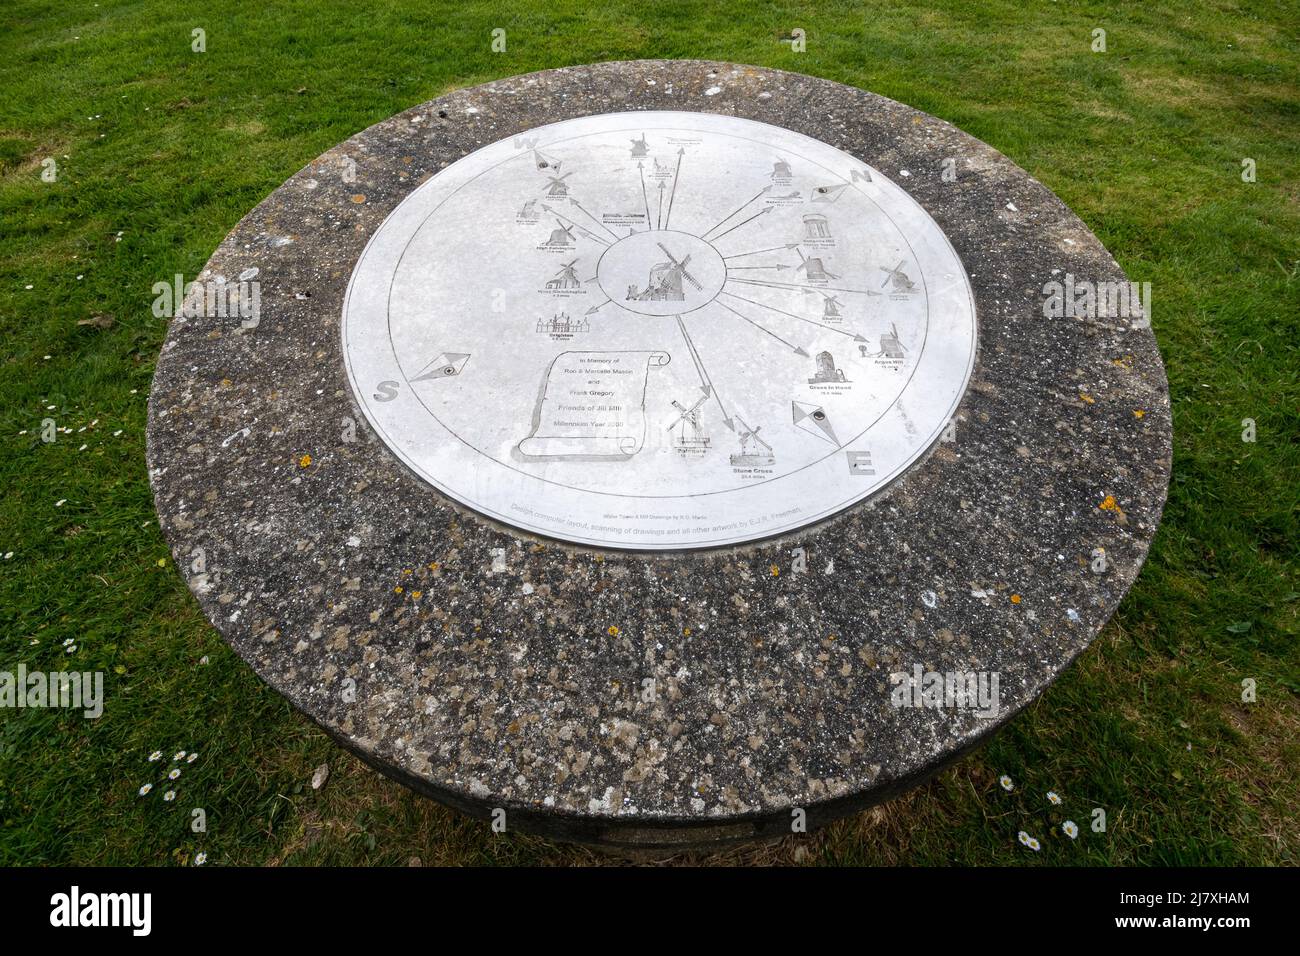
(896, 275)
(813, 268)
(665, 282)
(558, 188)
(689, 437)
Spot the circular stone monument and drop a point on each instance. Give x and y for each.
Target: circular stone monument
(655, 450)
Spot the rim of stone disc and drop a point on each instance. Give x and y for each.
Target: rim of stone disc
(517, 689)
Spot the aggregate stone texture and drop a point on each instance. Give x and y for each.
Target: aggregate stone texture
(489, 669)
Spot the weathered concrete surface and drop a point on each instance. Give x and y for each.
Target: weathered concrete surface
(369, 601)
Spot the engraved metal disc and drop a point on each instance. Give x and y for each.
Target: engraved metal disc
(659, 330)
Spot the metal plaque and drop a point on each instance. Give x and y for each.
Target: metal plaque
(659, 330)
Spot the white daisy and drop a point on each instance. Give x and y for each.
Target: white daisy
(200, 859)
(1032, 844)
(169, 796)
(1071, 829)
(179, 756)
(144, 791)
(155, 756)
(1007, 785)
(191, 758)
(174, 774)
(1053, 798)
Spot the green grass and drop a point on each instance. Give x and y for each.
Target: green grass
(161, 150)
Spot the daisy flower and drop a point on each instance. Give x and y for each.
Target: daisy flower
(1032, 844)
(1007, 785)
(180, 755)
(155, 756)
(200, 859)
(174, 774)
(1071, 829)
(144, 791)
(169, 796)
(1053, 798)
(191, 758)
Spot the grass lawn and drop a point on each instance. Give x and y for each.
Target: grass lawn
(160, 150)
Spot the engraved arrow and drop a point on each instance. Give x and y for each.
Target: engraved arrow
(742, 223)
(673, 195)
(737, 209)
(829, 328)
(739, 255)
(581, 228)
(595, 220)
(801, 288)
(798, 350)
(707, 388)
(641, 166)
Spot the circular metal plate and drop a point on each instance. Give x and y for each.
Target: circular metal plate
(659, 330)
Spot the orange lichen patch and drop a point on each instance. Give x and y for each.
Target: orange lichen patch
(1138, 412)
(776, 572)
(358, 197)
(304, 461)
(433, 565)
(397, 590)
(1085, 397)
(1125, 362)
(415, 595)
(406, 572)
(686, 632)
(1109, 504)
(1015, 599)
(613, 631)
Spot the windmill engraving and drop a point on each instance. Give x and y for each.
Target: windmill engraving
(562, 236)
(688, 435)
(753, 450)
(813, 268)
(831, 307)
(566, 278)
(558, 188)
(896, 275)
